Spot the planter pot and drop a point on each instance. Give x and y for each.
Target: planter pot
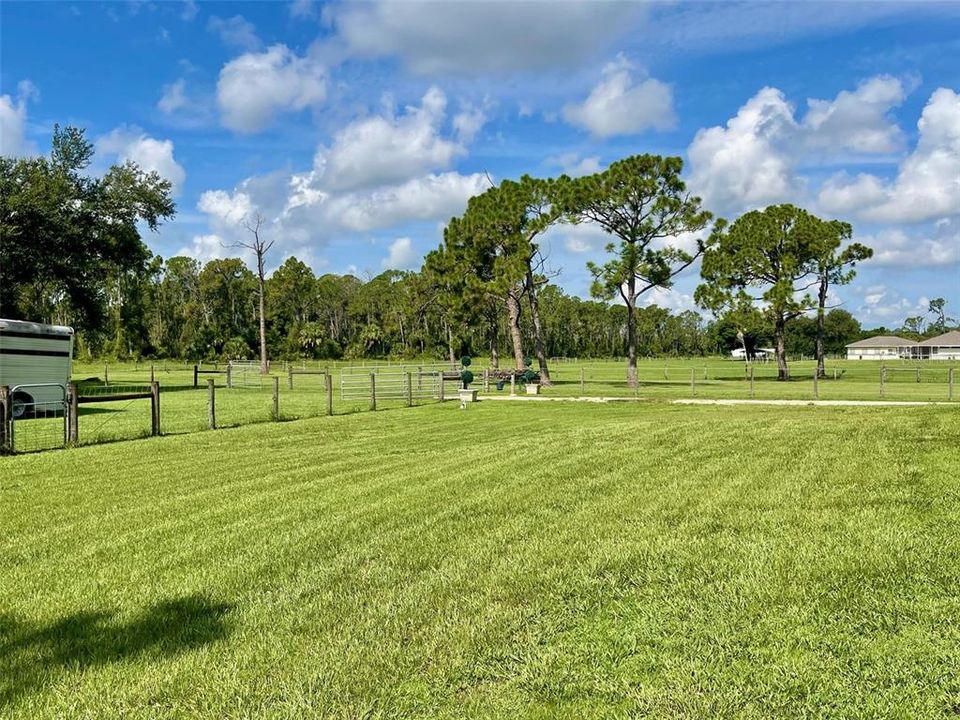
(533, 389)
(467, 395)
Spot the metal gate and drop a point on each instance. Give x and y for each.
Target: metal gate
(390, 383)
(38, 417)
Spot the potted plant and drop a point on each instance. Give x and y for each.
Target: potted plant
(466, 377)
(529, 378)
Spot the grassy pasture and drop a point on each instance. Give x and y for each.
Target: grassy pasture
(513, 560)
(184, 409)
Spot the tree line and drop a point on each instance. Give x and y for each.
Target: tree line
(71, 252)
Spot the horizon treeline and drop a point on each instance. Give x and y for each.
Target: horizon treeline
(71, 252)
(184, 309)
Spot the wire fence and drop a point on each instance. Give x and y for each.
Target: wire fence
(194, 398)
(41, 425)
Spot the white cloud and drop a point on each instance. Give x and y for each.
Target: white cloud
(857, 120)
(387, 149)
(752, 160)
(302, 9)
(433, 197)
(468, 122)
(883, 305)
(132, 143)
(896, 248)
(401, 255)
(189, 11)
(691, 28)
(229, 209)
(13, 120)
(743, 165)
(619, 106)
(578, 239)
(205, 248)
(477, 38)
(573, 165)
(235, 32)
(671, 299)
(927, 184)
(300, 215)
(255, 86)
(174, 98)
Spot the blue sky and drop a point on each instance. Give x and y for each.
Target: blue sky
(358, 129)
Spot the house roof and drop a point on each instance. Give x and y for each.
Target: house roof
(882, 341)
(948, 339)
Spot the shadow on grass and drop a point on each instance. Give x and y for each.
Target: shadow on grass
(31, 655)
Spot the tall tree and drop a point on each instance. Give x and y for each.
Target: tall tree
(835, 267)
(776, 251)
(487, 253)
(937, 308)
(291, 303)
(539, 204)
(642, 202)
(259, 247)
(65, 234)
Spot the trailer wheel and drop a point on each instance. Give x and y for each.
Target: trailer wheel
(19, 404)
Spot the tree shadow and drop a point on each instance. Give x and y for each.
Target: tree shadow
(87, 410)
(31, 654)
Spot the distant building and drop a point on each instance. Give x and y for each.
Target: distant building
(891, 347)
(883, 347)
(758, 354)
(941, 347)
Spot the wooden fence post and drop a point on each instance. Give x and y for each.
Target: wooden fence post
(106, 377)
(513, 383)
(581, 381)
(6, 413)
(486, 380)
(73, 414)
(152, 377)
(196, 376)
(949, 383)
(276, 398)
(328, 386)
(816, 384)
(419, 378)
(693, 382)
(229, 375)
(290, 377)
(751, 381)
(373, 391)
(883, 378)
(409, 389)
(440, 386)
(155, 408)
(212, 404)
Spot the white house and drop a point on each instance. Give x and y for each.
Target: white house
(883, 347)
(942, 347)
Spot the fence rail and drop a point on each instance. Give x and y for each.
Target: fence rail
(390, 385)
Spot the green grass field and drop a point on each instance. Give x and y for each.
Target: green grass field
(184, 409)
(511, 560)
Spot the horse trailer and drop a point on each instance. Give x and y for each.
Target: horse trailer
(35, 363)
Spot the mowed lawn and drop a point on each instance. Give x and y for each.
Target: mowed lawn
(512, 560)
